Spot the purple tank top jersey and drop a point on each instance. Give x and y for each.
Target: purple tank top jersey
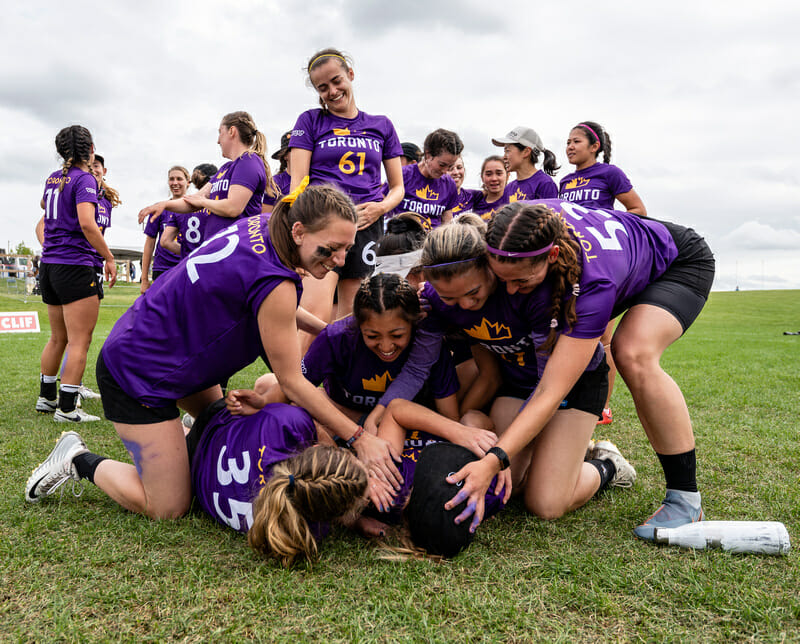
(235, 456)
(64, 241)
(348, 153)
(198, 323)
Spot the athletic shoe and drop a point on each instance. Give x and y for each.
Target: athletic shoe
(46, 406)
(84, 393)
(625, 475)
(678, 508)
(56, 469)
(188, 421)
(607, 418)
(75, 416)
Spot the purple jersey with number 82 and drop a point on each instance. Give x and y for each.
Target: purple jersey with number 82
(198, 323)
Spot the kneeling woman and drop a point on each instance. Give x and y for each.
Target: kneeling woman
(583, 268)
(250, 278)
(464, 291)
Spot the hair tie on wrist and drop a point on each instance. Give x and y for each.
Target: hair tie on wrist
(294, 194)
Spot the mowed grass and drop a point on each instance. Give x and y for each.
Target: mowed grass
(82, 569)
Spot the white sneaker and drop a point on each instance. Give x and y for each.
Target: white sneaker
(45, 405)
(84, 393)
(75, 416)
(589, 450)
(626, 474)
(56, 469)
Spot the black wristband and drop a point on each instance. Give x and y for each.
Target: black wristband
(501, 456)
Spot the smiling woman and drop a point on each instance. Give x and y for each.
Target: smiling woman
(251, 274)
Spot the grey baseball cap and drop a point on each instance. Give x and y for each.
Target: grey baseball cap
(522, 135)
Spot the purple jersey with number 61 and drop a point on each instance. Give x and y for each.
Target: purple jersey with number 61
(348, 153)
(197, 324)
(64, 241)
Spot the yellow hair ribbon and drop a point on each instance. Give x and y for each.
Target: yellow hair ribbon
(294, 194)
(311, 64)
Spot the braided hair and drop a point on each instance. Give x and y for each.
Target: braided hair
(386, 292)
(74, 145)
(523, 227)
(320, 484)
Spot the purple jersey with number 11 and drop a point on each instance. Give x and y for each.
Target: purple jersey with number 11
(64, 241)
(348, 153)
(197, 324)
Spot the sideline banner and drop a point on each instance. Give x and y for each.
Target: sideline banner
(19, 322)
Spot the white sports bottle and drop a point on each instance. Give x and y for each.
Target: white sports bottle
(763, 537)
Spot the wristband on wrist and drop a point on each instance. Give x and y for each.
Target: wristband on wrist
(501, 456)
(349, 442)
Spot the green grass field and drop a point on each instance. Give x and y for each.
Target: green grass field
(81, 569)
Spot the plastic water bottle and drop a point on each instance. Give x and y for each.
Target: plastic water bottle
(762, 537)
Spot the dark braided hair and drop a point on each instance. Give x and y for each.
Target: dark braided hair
(74, 145)
(598, 136)
(386, 292)
(523, 227)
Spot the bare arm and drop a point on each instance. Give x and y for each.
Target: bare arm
(169, 240)
(278, 328)
(147, 259)
(447, 217)
(86, 212)
(40, 231)
(632, 202)
(175, 205)
(300, 164)
(307, 321)
(487, 383)
(232, 206)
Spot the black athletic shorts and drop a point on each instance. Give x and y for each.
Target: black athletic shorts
(683, 289)
(199, 426)
(119, 407)
(157, 274)
(65, 283)
(99, 274)
(360, 259)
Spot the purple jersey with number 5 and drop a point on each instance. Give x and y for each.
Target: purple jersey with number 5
(622, 254)
(596, 186)
(247, 171)
(64, 241)
(348, 153)
(197, 324)
(235, 455)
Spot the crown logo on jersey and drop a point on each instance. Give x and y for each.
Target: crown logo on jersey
(517, 196)
(427, 194)
(577, 182)
(222, 173)
(489, 331)
(338, 131)
(377, 383)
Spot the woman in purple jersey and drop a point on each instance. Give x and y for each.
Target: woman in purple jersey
(344, 146)
(456, 266)
(589, 266)
(68, 280)
(430, 191)
(494, 178)
(154, 253)
(107, 200)
(238, 187)
(522, 147)
(166, 350)
(598, 185)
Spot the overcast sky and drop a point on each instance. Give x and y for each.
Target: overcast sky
(702, 99)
